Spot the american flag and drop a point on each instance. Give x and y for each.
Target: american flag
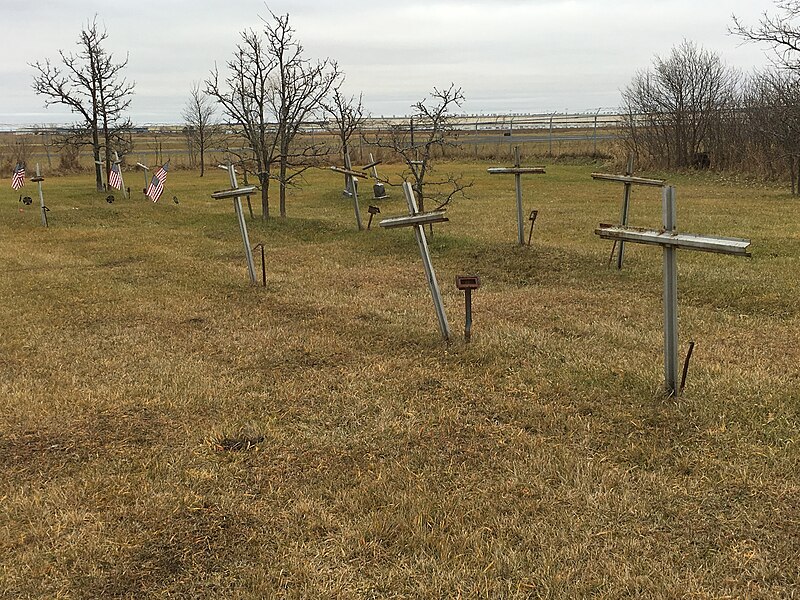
(115, 177)
(18, 179)
(156, 187)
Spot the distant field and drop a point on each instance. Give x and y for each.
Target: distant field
(167, 430)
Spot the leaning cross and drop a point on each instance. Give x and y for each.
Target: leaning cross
(236, 192)
(628, 180)
(352, 177)
(671, 241)
(417, 220)
(38, 180)
(517, 171)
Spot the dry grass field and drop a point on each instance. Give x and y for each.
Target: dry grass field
(169, 431)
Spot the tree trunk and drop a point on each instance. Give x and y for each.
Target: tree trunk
(282, 180)
(264, 179)
(98, 168)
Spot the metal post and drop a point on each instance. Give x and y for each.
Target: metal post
(468, 320)
(518, 181)
(670, 296)
(626, 202)
(237, 206)
(422, 242)
(44, 209)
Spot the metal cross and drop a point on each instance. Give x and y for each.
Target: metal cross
(518, 171)
(236, 192)
(417, 220)
(671, 241)
(145, 170)
(38, 180)
(628, 180)
(352, 177)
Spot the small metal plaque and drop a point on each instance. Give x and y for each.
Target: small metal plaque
(37, 179)
(468, 282)
(373, 210)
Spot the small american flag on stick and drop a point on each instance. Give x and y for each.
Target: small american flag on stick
(115, 177)
(156, 187)
(18, 179)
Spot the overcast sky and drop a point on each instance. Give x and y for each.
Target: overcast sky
(507, 55)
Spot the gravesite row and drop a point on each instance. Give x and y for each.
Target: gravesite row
(668, 237)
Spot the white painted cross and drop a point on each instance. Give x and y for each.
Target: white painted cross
(518, 171)
(671, 241)
(236, 192)
(629, 181)
(417, 220)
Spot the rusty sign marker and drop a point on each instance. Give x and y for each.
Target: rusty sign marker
(467, 283)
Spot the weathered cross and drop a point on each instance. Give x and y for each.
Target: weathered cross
(518, 171)
(629, 181)
(671, 241)
(417, 220)
(236, 193)
(378, 189)
(38, 180)
(145, 170)
(352, 177)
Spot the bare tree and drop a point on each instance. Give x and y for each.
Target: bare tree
(671, 109)
(780, 31)
(430, 130)
(345, 117)
(245, 98)
(91, 85)
(297, 94)
(200, 127)
(772, 105)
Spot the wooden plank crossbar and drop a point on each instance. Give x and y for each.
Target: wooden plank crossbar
(418, 219)
(671, 241)
(629, 179)
(517, 171)
(687, 241)
(349, 172)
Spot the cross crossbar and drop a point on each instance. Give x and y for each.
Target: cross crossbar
(418, 219)
(687, 241)
(629, 179)
(516, 170)
(243, 191)
(348, 172)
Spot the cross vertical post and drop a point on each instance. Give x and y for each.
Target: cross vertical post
(433, 284)
(670, 295)
(237, 206)
(39, 179)
(626, 202)
(518, 181)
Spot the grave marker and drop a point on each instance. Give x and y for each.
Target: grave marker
(628, 181)
(38, 180)
(145, 170)
(236, 193)
(417, 220)
(670, 240)
(352, 176)
(518, 171)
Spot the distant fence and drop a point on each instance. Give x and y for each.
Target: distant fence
(481, 135)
